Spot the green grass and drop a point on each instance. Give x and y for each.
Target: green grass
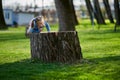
(100, 48)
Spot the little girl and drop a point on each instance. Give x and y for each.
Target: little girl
(36, 25)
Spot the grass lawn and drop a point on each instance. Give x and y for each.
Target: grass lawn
(100, 48)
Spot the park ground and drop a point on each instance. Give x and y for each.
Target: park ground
(100, 47)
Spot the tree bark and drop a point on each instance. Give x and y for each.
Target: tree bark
(56, 46)
(98, 12)
(65, 15)
(108, 10)
(74, 14)
(117, 13)
(2, 21)
(90, 10)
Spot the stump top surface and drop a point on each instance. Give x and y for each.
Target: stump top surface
(55, 32)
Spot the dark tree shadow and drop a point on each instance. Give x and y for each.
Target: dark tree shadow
(27, 70)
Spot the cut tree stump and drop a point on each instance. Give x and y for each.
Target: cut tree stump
(55, 46)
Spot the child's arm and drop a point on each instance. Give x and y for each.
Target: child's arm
(30, 30)
(47, 26)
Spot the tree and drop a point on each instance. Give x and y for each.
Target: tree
(94, 11)
(2, 20)
(90, 10)
(27, 7)
(117, 13)
(65, 15)
(100, 19)
(108, 10)
(74, 15)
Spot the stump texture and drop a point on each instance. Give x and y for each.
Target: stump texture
(55, 46)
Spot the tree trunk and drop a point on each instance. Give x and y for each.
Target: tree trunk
(90, 10)
(108, 10)
(2, 21)
(65, 15)
(74, 14)
(98, 12)
(117, 13)
(55, 46)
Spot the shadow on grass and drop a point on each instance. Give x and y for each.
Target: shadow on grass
(12, 36)
(26, 69)
(102, 32)
(93, 69)
(100, 35)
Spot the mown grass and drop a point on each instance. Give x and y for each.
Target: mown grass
(100, 48)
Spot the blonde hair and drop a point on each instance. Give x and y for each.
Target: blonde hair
(39, 18)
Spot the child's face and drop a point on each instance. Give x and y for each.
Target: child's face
(40, 23)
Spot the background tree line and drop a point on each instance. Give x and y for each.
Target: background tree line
(96, 11)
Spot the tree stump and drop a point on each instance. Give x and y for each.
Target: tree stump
(56, 46)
